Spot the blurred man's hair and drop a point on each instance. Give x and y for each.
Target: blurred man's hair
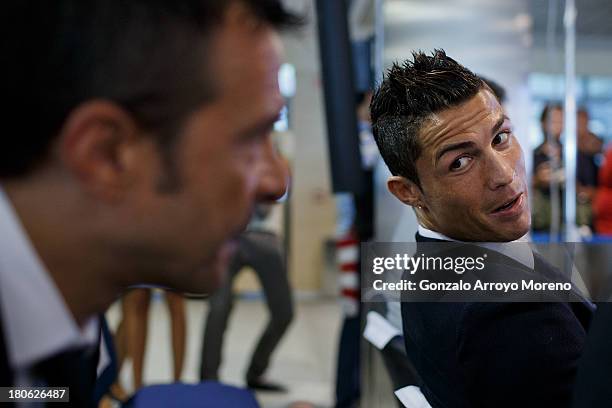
(408, 96)
(148, 56)
(551, 106)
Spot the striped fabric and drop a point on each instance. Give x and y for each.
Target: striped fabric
(347, 259)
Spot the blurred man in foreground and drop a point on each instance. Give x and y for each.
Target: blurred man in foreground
(135, 148)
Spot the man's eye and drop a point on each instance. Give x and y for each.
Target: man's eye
(501, 137)
(460, 163)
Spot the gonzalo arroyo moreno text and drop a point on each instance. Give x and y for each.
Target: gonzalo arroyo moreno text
(458, 265)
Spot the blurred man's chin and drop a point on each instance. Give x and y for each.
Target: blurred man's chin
(206, 277)
(206, 282)
(211, 275)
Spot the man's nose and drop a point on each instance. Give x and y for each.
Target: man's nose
(273, 175)
(500, 170)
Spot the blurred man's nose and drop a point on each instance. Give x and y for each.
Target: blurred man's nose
(273, 172)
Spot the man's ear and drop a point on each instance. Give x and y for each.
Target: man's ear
(406, 191)
(95, 146)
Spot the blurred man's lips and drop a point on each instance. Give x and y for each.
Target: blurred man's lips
(511, 207)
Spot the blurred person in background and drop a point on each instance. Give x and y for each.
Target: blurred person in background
(122, 167)
(131, 334)
(260, 248)
(549, 175)
(590, 146)
(603, 198)
(547, 168)
(588, 142)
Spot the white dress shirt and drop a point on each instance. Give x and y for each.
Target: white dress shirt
(518, 250)
(36, 319)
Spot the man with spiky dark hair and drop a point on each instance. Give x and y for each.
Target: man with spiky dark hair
(135, 147)
(455, 160)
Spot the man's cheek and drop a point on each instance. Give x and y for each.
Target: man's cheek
(519, 160)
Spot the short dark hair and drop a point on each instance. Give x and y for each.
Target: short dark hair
(409, 94)
(498, 90)
(137, 53)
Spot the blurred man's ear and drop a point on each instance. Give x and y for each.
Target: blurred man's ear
(97, 145)
(406, 191)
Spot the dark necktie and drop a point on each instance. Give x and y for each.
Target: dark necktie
(6, 376)
(75, 368)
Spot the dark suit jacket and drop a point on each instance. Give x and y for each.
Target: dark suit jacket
(6, 376)
(496, 354)
(594, 378)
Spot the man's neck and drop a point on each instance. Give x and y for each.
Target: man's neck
(57, 235)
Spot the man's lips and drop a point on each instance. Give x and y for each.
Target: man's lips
(510, 205)
(506, 202)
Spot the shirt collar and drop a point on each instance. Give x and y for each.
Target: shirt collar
(519, 250)
(427, 233)
(37, 322)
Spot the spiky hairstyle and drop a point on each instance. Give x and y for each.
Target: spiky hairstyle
(409, 94)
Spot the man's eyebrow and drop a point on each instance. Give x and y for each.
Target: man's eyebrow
(499, 124)
(454, 146)
(260, 127)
